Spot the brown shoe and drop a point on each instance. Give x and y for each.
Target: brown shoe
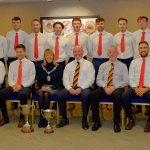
(147, 127)
(130, 125)
(21, 123)
(3, 122)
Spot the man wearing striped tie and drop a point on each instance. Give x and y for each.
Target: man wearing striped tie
(78, 77)
(111, 79)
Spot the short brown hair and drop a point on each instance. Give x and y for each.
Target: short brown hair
(36, 20)
(142, 17)
(124, 19)
(143, 42)
(60, 23)
(99, 20)
(20, 46)
(76, 19)
(16, 18)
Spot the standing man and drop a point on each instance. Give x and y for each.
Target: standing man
(78, 77)
(14, 37)
(20, 79)
(111, 79)
(77, 38)
(139, 80)
(143, 34)
(125, 42)
(36, 44)
(58, 43)
(98, 44)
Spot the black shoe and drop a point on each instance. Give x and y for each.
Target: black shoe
(85, 125)
(117, 127)
(62, 123)
(4, 121)
(96, 126)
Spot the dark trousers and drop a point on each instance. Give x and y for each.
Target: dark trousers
(23, 95)
(127, 96)
(64, 95)
(97, 62)
(100, 93)
(126, 61)
(72, 58)
(10, 59)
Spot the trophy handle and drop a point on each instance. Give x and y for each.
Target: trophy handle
(42, 113)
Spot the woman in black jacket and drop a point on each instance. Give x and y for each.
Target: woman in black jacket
(49, 81)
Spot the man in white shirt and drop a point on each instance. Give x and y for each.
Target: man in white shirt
(21, 76)
(58, 44)
(78, 77)
(36, 44)
(14, 37)
(143, 34)
(125, 42)
(98, 44)
(111, 79)
(3, 49)
(2, 74)
(77, 37)
(139, 81)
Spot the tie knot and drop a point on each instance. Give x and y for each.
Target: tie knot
(112, 64)
(36, 34)
(78, 62)
(57, 38)
(100, 34)
(16, 33)
(123, 34)
(77, 34)
(143, 59)
(20, 61)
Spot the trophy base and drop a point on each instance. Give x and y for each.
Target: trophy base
(48, 131)
(27, 131)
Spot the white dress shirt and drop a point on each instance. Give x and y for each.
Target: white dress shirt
(28, 73)
(3, 47)
(2, 72)
(86, 76)
(120, 74)
(82, 41)
(135, 71)
(129, 43)
(42, 46)
(63, 48)
(10, 36)
(93, 41)
(137, 35)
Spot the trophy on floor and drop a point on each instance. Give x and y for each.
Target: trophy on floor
(48, 114)
(26, 111)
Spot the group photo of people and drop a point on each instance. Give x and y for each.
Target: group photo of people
(90, 67)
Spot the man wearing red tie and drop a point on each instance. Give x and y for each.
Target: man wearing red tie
(77, 37)
(143, 34)
(36, 44)
(21, 76)
(98, 44)
(14, 37)
(125, 42)
(139, 81)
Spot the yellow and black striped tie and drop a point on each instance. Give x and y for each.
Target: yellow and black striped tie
(110, 75)
(76, 75)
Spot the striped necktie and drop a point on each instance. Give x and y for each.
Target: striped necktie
(76, 75)
(110, 75)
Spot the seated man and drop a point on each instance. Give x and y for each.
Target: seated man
(78, 77)
(111, 79)
(139, 81)
(21, 76)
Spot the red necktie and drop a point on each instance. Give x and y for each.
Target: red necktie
(76, 40)
(36, 46)
(19, 79)
(122, 45)
(100, 45)
(143, 36)
(141, 81)
(57, 48)
(16, 40)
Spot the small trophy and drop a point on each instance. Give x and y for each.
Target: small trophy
(48, 114)
(26, 111)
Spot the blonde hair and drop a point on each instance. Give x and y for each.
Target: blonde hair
(48, 51)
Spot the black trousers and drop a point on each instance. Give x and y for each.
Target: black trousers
(23, 95)
(100, 93)
(62, 64)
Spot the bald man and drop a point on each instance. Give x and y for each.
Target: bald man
(111, 79)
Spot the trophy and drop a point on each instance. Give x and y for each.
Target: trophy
(26, 111)
(48, 114)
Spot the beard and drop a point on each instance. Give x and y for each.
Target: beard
(144, 54)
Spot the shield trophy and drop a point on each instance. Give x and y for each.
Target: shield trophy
(48, 114)
(26, 111)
